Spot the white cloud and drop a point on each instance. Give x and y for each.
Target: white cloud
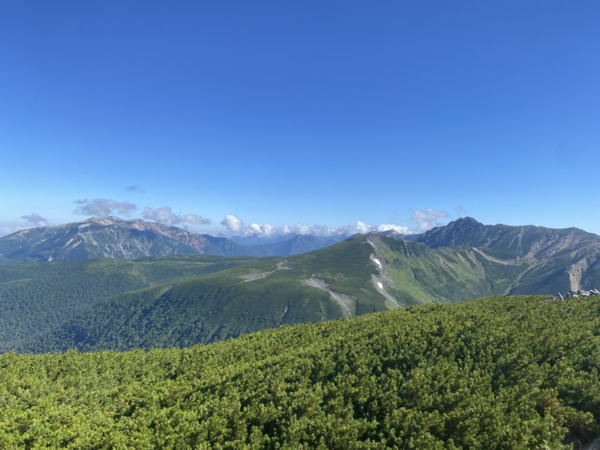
(301, 229)
(396, 228)
(195, 218)
(236, 226)
(362, 227)
(102, 207)
(36, 220)
(166, 216)
(233, 223)
(262, 229)
(428, 219)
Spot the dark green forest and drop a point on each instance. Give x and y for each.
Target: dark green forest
(35, 297)
(498, 372)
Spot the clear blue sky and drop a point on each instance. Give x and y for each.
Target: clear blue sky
(319, 113)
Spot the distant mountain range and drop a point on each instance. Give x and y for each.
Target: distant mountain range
(180, 300)
(112, 237)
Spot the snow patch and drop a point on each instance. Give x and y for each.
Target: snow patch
(376, 261)
(391, 302)
(287, 308)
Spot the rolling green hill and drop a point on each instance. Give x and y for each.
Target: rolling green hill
(494, 373)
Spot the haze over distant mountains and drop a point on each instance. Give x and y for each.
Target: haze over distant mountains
(69, 299)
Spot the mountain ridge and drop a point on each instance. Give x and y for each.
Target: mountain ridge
(525, 241)
(113, 237)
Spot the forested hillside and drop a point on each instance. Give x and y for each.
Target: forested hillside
(503, 372)
(36, 297)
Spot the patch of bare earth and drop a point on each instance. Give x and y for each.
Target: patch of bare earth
(344, 301)
(256, 275)
(260, 275)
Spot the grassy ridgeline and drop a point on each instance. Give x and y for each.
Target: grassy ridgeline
(503, 372)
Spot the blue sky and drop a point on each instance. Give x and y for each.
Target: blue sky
(246, 117)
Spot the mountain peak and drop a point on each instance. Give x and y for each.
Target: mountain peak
(464, 223)
(465, 220)
(96, 220)
(523, 241)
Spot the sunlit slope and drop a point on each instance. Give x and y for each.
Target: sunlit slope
(504, 372)
(413, 273)
(363, 274)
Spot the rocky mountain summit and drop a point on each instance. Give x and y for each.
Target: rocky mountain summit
(110, 237)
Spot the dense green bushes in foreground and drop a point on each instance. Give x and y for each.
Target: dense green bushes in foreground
(505, 372)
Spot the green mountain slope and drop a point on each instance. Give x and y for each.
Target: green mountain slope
(494, 373)
(327, 284)
(360, 275)
(415, 274)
